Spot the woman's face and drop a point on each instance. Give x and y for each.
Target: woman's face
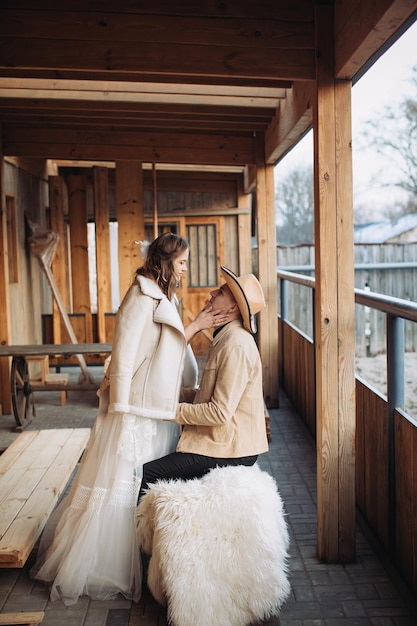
(180, 264)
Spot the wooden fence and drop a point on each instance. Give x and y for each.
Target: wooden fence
(389, 269)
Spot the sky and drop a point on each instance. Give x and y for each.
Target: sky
(386, 82)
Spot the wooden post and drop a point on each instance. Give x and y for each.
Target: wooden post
(101, 217)
(155, 202)
(5, 395)
(334, 304)
(77, 211)
(267, 274)
(130, 218)
(244, 230)
(58, 208)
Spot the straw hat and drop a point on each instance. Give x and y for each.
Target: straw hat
(248, 293)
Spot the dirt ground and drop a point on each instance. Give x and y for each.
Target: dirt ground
(374, 370)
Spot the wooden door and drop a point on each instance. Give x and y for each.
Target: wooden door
(206, 239)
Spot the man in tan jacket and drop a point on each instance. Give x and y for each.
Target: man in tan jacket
(222, 422)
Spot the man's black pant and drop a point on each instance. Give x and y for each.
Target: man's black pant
(185, 466)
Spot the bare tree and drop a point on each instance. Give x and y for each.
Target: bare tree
(394, 136)
(294, 207)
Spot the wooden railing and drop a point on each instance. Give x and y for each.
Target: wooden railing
(386, 436)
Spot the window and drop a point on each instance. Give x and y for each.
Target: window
(202, 269)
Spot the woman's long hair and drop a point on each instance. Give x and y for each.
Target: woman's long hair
(159, 261)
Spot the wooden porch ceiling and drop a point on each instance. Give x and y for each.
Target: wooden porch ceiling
(182, 83)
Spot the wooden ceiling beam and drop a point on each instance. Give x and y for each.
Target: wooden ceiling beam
(364, 31)
(210, 149)
(183, 60)
(206, 42)
(109, 90)
(54, 123)
(278, 28)
(107, 108)
(293, 119)
(287, 9)
(167, 79)
(152, 98)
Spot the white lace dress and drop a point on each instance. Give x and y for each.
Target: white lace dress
(89, 546)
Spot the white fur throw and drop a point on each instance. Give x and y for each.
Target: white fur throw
(218, 546)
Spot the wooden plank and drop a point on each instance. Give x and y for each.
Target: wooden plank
(77, 210)
(360, 444)
(26, 471)
(53, 349)
(101, 216)
(22, 618)
(58, 204)
(42, 474)
(371, 451)
(5, 395)
(405, 549)
(19, 446)
(130, 218)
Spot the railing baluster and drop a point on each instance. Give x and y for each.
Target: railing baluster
(284, 299)
(395, 398)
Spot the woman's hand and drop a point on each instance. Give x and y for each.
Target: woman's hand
(206, 319)
(209, 318)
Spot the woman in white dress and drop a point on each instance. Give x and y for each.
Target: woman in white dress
(89, 546)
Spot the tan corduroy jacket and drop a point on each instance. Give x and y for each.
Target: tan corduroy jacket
(227, 418)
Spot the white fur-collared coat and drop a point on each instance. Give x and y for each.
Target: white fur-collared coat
(148, 354)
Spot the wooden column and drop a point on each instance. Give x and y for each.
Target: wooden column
(58, 207)
(5, 395)
(244, 230)
(267, 273)
(101, 217)
(130, 219)
(334, 304)
(80, 275)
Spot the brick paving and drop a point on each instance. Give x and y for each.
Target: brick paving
(368, 591)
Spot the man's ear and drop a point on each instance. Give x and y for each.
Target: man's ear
(233, 308)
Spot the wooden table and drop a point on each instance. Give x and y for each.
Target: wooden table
(22, 388)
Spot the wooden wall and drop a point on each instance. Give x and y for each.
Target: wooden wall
(297, 372)
(28, 290)
(67, 201)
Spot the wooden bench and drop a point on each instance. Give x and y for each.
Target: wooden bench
(21, 619)
(34, 471)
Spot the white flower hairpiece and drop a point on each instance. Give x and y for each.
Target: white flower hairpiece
(144, 245)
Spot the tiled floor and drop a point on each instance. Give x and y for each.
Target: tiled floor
(365, 592)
